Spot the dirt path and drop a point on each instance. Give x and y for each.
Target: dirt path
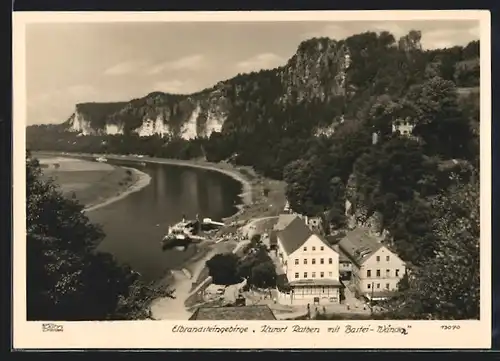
(173, 308)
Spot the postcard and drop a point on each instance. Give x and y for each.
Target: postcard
(291, 180)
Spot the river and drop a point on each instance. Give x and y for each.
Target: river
(135, 224)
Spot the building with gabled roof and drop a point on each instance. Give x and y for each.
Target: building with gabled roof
(376, 270)
(310, 264)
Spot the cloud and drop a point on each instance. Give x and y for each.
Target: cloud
(261, 61)
(434, 34)
(176, 86)
(125, 67)
(53, 106)
(191, 62)
(446, 38)
(475, 31)
(333, 31)
(77, 93)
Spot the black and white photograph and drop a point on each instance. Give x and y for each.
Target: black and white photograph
(296, 171)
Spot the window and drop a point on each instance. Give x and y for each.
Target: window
(397, 273)
(296, 261)
(378, 273)
(321, 248)
(378, 258)
(330, 261)
(368, 286)
(305, 249)
(314, 261)
(330, 274)
(313, 275)
(378, 285)
(305, 274)
(387, 273)
(387, 258)
(322, 274)
(305, 260)
(369, 273)
(296, 274)
(321, 261)
(387, 286)
(314, 248)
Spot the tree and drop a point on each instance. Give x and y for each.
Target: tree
(433, 108)
(264, 275)
(223, 269)
(67, 279)
(447, 285)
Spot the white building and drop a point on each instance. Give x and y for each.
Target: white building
(376, 271)
(404, 127)
(310, 264)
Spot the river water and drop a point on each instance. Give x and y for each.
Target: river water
(135, 224)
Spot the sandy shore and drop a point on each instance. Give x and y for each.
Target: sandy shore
(143, 180)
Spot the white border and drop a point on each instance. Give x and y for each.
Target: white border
(158, 334)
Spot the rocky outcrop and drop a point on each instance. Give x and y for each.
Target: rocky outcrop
(317, 72)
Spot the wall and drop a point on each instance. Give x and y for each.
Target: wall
(330, 271)
(394, 263)
(330, 297)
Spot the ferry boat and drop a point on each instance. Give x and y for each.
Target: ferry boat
(101, 159)
(173, 240)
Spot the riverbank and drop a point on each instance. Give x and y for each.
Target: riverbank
(138, 181)
(92, 184)
(260, 196)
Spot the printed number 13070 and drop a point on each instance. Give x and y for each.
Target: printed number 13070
(450, 327)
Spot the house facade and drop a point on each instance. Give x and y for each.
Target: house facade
(309, 263)
(376, 271)
(403, 126)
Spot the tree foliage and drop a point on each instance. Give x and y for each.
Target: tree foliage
(258, 268)
(223, 269)
(446, 286)
(67, 279)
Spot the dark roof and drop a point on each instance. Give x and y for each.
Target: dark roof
(254, 312)
(358, 245)
(342, 257)
(317, 282)
(294, 235)
(283, 221)
(273, 240)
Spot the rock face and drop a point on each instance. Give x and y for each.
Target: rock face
(317, 72)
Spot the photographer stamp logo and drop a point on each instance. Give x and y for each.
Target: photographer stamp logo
(52, 327)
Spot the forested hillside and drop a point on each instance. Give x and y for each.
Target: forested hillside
(325, 82)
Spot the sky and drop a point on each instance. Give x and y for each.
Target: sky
(70, 63)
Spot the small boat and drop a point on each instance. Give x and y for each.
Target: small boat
(173, 240)
(101, 159)
(143, 164)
